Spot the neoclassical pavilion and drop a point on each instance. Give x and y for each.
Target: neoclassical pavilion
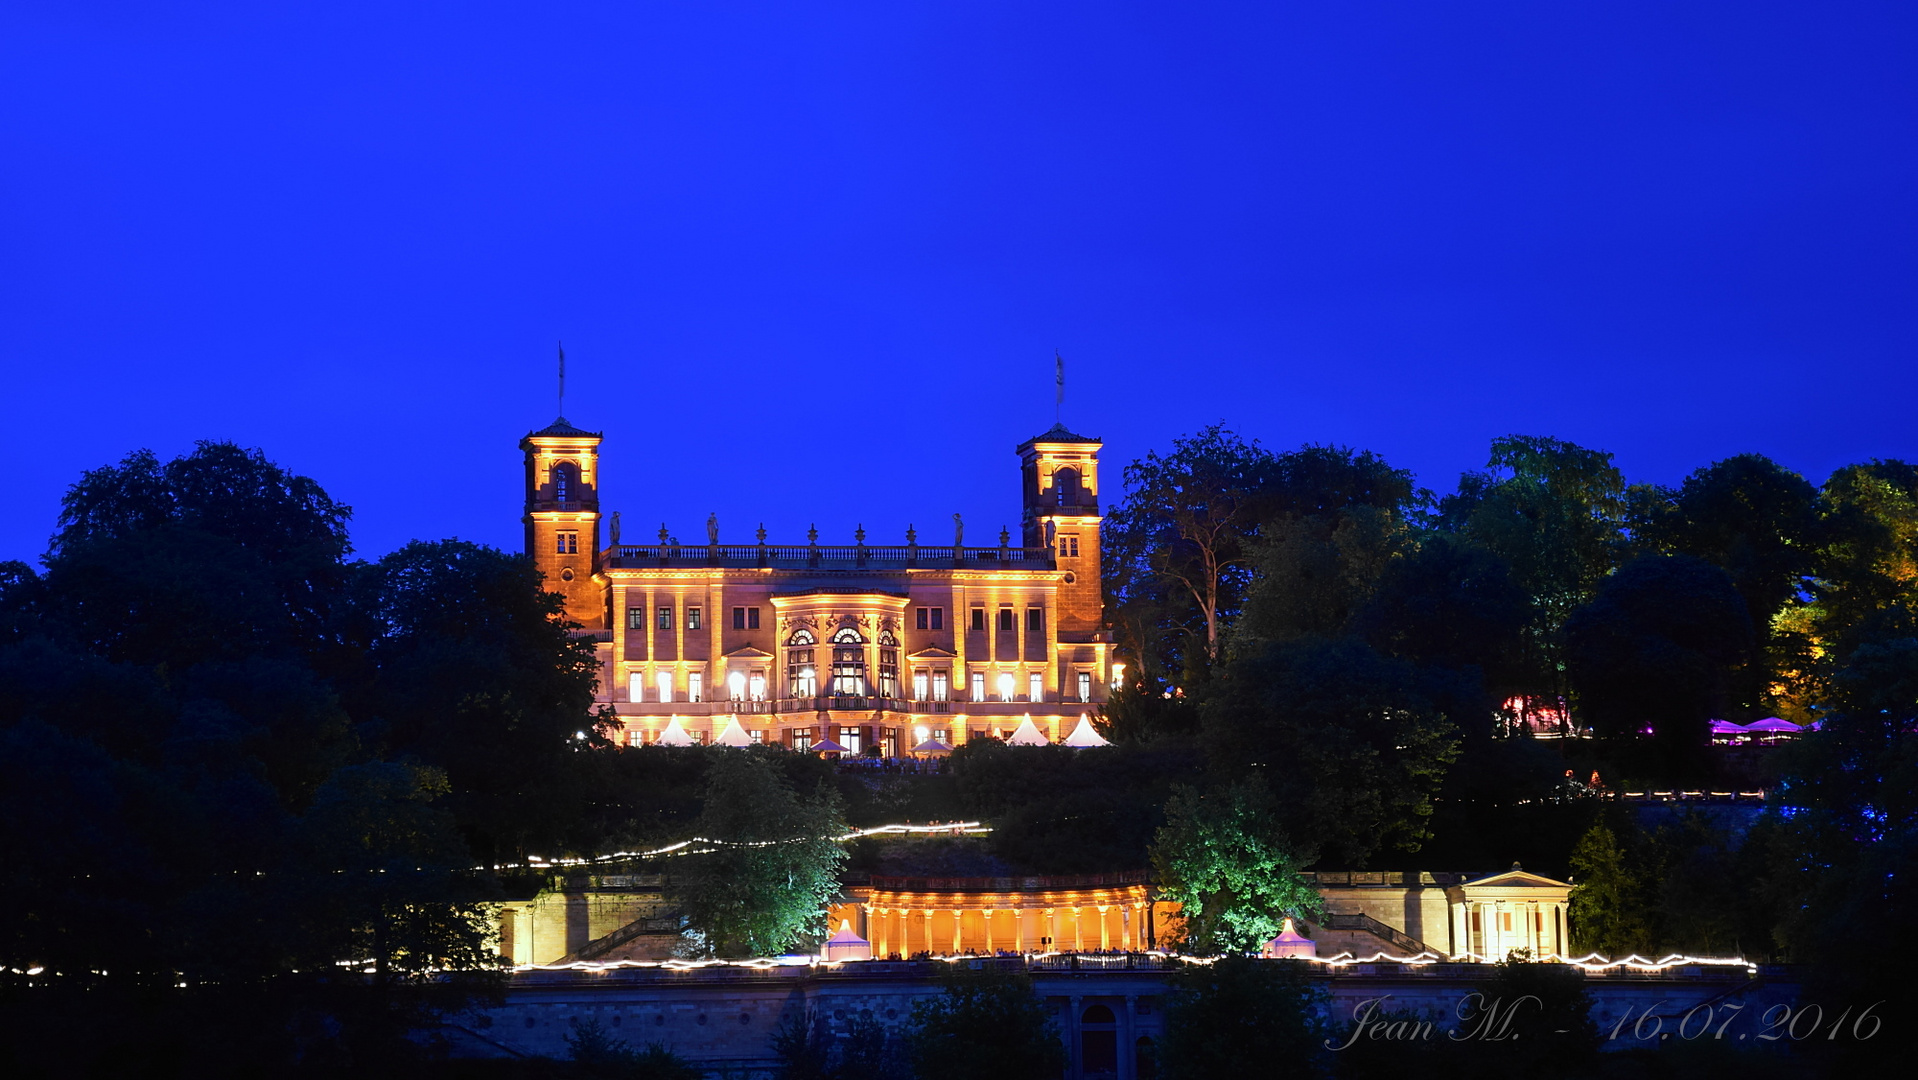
(1084, 913)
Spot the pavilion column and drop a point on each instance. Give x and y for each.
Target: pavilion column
(1019, 928)
(958, 925)
(1078, 928)
(1125, 927)
(929, 930)
(988, 918)
(1105, 930)
(1052, 930)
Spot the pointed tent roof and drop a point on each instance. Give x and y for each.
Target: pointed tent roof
(1726, 727)
(734, 735)
(932, 747)
(826, 746)
(846, 945)
(1773, 723)
(845, 936)
(1027, 735)
(560, 429)
(1291, 943)
(674, 735)
(1086, 735)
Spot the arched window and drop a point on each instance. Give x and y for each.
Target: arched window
(849, 663)
(565, 481)
(1065, 487)
(888, 665)
(802, 678)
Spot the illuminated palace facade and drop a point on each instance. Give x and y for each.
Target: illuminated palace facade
(868, 644)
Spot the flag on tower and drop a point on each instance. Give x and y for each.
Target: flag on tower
(1059, 376)
(562, 378)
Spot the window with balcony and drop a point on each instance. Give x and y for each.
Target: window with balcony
(1005, 686)
(921, 686)
(756, 686)
(849, 663)
(665, 683)
(736, 686)
(565, 481)
(802, 678)
(978, 686)
(1085, 686)
(888, 665)
(941, 691)
(1035, 687)
(695, 686)
(635, 686)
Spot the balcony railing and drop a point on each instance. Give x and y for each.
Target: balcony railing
(834, 557)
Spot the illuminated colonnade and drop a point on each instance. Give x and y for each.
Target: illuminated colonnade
(963, 920)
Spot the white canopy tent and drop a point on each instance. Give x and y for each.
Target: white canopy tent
(734, 735)
(1027, 735)
(846, 945)
(931, 748)
(826, 746)
(674, 735)
(1086, 735)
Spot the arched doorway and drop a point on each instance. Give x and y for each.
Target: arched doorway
(1098, 1042)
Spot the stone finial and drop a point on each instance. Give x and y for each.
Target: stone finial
(912, 537)
(812, 535)
(1005, 536)
(762, 534)
(859, 535)
(662, 532)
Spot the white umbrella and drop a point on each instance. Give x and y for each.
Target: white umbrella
(1086, 735)
(931, 747)
(1027, 735)
(674, 735)
(734, 735)
(827, 746)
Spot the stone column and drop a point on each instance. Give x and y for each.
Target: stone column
(1074, 1052)
(928, 929)
(1105, 934)
(987, 914)
(1128, 1039)
(958, 927)
(1052, 929)
(1078, 928)
(1019, 928)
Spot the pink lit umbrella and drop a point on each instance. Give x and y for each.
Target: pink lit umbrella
(1773, 724)
(1726, 727)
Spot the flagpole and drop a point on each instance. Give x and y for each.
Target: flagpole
(562, 380)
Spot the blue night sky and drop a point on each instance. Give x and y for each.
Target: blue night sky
(810, 261)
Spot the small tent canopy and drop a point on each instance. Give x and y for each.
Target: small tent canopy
(1291, 943)
(1773, 724)
(931, 748)
(846, 945)
(1726, 727)
(734, 735)
(1027, 735)
(1085, 735)
(827, 746)
(674, 735)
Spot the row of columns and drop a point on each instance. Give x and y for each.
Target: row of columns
(1536, 925)
(906, 930)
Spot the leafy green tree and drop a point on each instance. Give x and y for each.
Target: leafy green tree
(1239, 1016)
(473, 670)
(597, 1053)
(985, 1022)
(1317, 572)
(1175, 558)
(1451, 603)
(1353, 745)
(1225, 859)
(1556, 514)
(768, 881)
(1610, 906)
(1661, 645)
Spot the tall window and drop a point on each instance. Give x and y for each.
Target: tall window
(1065, 485)
(1085, 686)
(931, 618)
(802, 678)
(940, 690)
(979, 619)
(802, 739)
(1006, 621)
(1069, 546)
(635, 686)
(665, 680)
(1005, 686)
(665, 621)
(978, 686)
(756, 686)
(567, 543)
(692, 618)
(1035, 687)
(635, 618)
(922, 615)
(849, 738)
(696, 685)
(1035, 620)
(565, 479)
(921, 686)
(849, 663)
(736, 686)
(752, 618)
(745, 618)
(888, 665)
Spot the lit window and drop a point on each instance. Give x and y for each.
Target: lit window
(1036, 687)
(665, 681)
(692, 618)
(1005, 686)
(802, 739)
(978, 686)
(1035, 620)
(665, 621)
(849, 738)
(1072, 546)
(940, 691)
(1085, 686)
(695, 686)
(736, 686)
(635, 618)
(1118, 676)
(756, 686)
(802, 680)
(757, 737)
(921, 685)
(849, 663)
(635, 686)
